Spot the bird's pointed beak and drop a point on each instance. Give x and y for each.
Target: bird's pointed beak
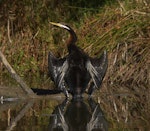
(60, 25)
(56, 24)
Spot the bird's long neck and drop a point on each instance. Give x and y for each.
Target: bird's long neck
(72, 40)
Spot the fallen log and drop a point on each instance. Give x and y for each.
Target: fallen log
(23, 85)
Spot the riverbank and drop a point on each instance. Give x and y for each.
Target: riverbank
(121, 28)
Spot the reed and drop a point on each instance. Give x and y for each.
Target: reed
(124, 31)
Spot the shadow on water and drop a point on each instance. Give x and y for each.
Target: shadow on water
(51, 115)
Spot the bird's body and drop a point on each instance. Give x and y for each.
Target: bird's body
(77, 69)
(77, 76)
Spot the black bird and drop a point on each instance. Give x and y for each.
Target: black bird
(76, 70)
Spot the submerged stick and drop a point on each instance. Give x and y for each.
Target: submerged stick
(23, 85)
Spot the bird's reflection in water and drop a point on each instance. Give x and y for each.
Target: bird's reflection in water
(78, 115)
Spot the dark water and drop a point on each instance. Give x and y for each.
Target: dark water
(49, 115)
(113, 113)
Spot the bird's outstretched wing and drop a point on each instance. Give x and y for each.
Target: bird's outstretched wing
(57, 69)
(97, 68)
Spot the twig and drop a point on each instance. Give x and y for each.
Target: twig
(23, 85)
(8, 31)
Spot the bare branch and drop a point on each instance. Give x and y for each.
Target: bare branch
(16, 76)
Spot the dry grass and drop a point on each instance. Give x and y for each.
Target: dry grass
(125, 32)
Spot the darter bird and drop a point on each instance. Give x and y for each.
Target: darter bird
(77, 70)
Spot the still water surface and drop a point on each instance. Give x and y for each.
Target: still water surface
(49, 115)
(115, 113)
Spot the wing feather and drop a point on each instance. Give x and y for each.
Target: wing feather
(97, 68)
(57, 69)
